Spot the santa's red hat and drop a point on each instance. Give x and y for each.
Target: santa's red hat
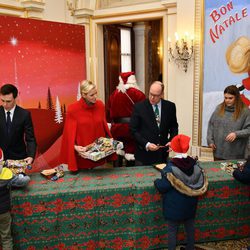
(180, 143)
(127, 80)
(127, 77)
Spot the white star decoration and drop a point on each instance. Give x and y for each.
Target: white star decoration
(13, 41)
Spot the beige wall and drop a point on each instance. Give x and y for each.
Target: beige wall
(177, 15)
(184, 81)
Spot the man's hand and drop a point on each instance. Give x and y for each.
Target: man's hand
(153, 147)
(28, 160)
(169, 147)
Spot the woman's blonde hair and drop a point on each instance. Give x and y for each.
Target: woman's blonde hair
(86, 86)
(239, 104)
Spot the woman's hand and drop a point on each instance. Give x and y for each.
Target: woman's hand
(81, 150)
(212, 145)
(231, 137)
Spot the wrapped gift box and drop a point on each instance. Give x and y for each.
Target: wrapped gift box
(17, 166)
(102, 147)
(53, 174)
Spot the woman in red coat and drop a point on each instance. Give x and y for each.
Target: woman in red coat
(85, 122)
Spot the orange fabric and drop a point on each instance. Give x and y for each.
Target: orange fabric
(83, 125)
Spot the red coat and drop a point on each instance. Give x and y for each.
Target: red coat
(83, 125)
(121, 105)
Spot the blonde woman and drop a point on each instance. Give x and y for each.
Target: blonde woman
(85, 122)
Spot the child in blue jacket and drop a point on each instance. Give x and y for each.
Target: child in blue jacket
(7, 180)
(181, 183)
(6, 177)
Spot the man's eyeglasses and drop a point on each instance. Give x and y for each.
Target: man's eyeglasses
(151, 95)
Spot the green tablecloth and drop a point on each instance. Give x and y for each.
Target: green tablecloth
(120, 209)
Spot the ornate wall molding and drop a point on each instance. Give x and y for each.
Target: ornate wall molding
(72, 6)
(81, 10)
(11, 8)
(105, 4)
(83, 16)
(33, 8)
(23, 8)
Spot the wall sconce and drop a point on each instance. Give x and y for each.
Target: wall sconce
(182, 52)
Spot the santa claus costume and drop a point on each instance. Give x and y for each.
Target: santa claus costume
(120, 107)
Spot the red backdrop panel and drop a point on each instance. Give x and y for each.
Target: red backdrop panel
(46, 61)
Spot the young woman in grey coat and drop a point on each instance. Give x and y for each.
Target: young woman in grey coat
(229, 127)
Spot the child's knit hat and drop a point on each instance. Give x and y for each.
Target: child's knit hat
(180, 143)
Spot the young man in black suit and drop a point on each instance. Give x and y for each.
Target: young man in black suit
(153, 124)
(17, 138)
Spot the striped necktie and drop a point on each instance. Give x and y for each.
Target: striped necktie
(156, 110)
(157, 114)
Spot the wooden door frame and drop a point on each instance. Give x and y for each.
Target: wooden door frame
(111, 71)
(97, 57)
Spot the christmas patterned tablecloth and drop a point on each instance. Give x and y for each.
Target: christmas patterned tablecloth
(120, 209)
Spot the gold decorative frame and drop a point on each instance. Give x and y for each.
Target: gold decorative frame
(204, 153)
(198, 72)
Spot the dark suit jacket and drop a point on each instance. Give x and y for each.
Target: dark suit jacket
(21, 143)
(144, 128)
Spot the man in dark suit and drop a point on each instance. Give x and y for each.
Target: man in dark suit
(153, 124)
(17, 138)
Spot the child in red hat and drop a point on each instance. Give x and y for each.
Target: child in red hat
(182, 182)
